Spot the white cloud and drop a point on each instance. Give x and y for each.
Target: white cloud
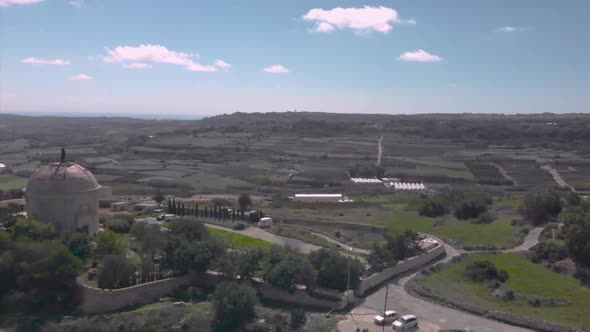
(361, 19)
(81, 77)
(509, 29)
(420, 56)
(7, 3)
(222, 64)
(78, 3)
(137, 65)
(324, 27)
(276, 69)
(156, 54)
(38, 62)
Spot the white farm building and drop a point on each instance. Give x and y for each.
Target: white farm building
(321, 198)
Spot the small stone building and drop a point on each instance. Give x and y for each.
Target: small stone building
(66, 195)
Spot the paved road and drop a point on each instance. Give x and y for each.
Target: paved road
(531, 239)
(431, 316)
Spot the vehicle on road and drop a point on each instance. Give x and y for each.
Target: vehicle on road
(387, 317)
(265, 222)
(405, 323)
(166, 217)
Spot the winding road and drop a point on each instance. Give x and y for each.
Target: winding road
(432, 316)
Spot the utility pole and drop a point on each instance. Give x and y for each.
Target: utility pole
(348, 275)
(385, 304)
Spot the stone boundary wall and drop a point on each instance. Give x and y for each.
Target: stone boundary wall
(95, 300)
(413, 287)
(409, 264)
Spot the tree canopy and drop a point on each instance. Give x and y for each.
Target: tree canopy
(234, 306)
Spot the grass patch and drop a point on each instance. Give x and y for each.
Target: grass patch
(527, 280)
(499, 233)
(8, 182)
(239, 241)
(303, 235)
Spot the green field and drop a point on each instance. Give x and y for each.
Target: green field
(12, 182)
(239, 241)
(527, 280)
(499, 233)
(398, 212)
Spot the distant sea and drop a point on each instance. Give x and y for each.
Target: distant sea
(147, 116)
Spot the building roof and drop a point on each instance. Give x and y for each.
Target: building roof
(63, 177)
(319, 195)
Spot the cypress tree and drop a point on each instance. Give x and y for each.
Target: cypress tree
(241, 215)
(196, 210)
(206, 211)
(174, 206)
(169, 206)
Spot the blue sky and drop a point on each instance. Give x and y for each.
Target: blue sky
(210, 57)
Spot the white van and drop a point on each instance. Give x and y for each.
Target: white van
(265, 222)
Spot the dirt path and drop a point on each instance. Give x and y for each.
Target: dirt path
(557, 177)
(505, 174)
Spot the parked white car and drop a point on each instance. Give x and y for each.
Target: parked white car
(386, 318)
(406, 322)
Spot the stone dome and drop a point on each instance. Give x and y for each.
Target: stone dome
(62, 178)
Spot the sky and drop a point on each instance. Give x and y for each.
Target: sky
(206, 57)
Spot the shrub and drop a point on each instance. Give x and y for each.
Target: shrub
(485, 218)
(433, 207)
(480, 271)
(234, 306)
(118, 225)
(550, 251)
(127, 217)
(298, 319)
(239, 227)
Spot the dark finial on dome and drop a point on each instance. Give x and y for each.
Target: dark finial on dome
(63, 155)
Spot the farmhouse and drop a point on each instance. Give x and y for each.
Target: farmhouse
(321, 198)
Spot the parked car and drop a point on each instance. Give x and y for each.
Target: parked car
(405, 322)
(387, 317)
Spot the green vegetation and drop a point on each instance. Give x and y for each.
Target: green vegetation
(539, 207)
(577, 237)
(303, 235)
(499, 233)
(161, 316)
(234, 306)
(396, 247)
(238, 241)
(37, 272)
(527, 280)
(333, 268)
(8, 182)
